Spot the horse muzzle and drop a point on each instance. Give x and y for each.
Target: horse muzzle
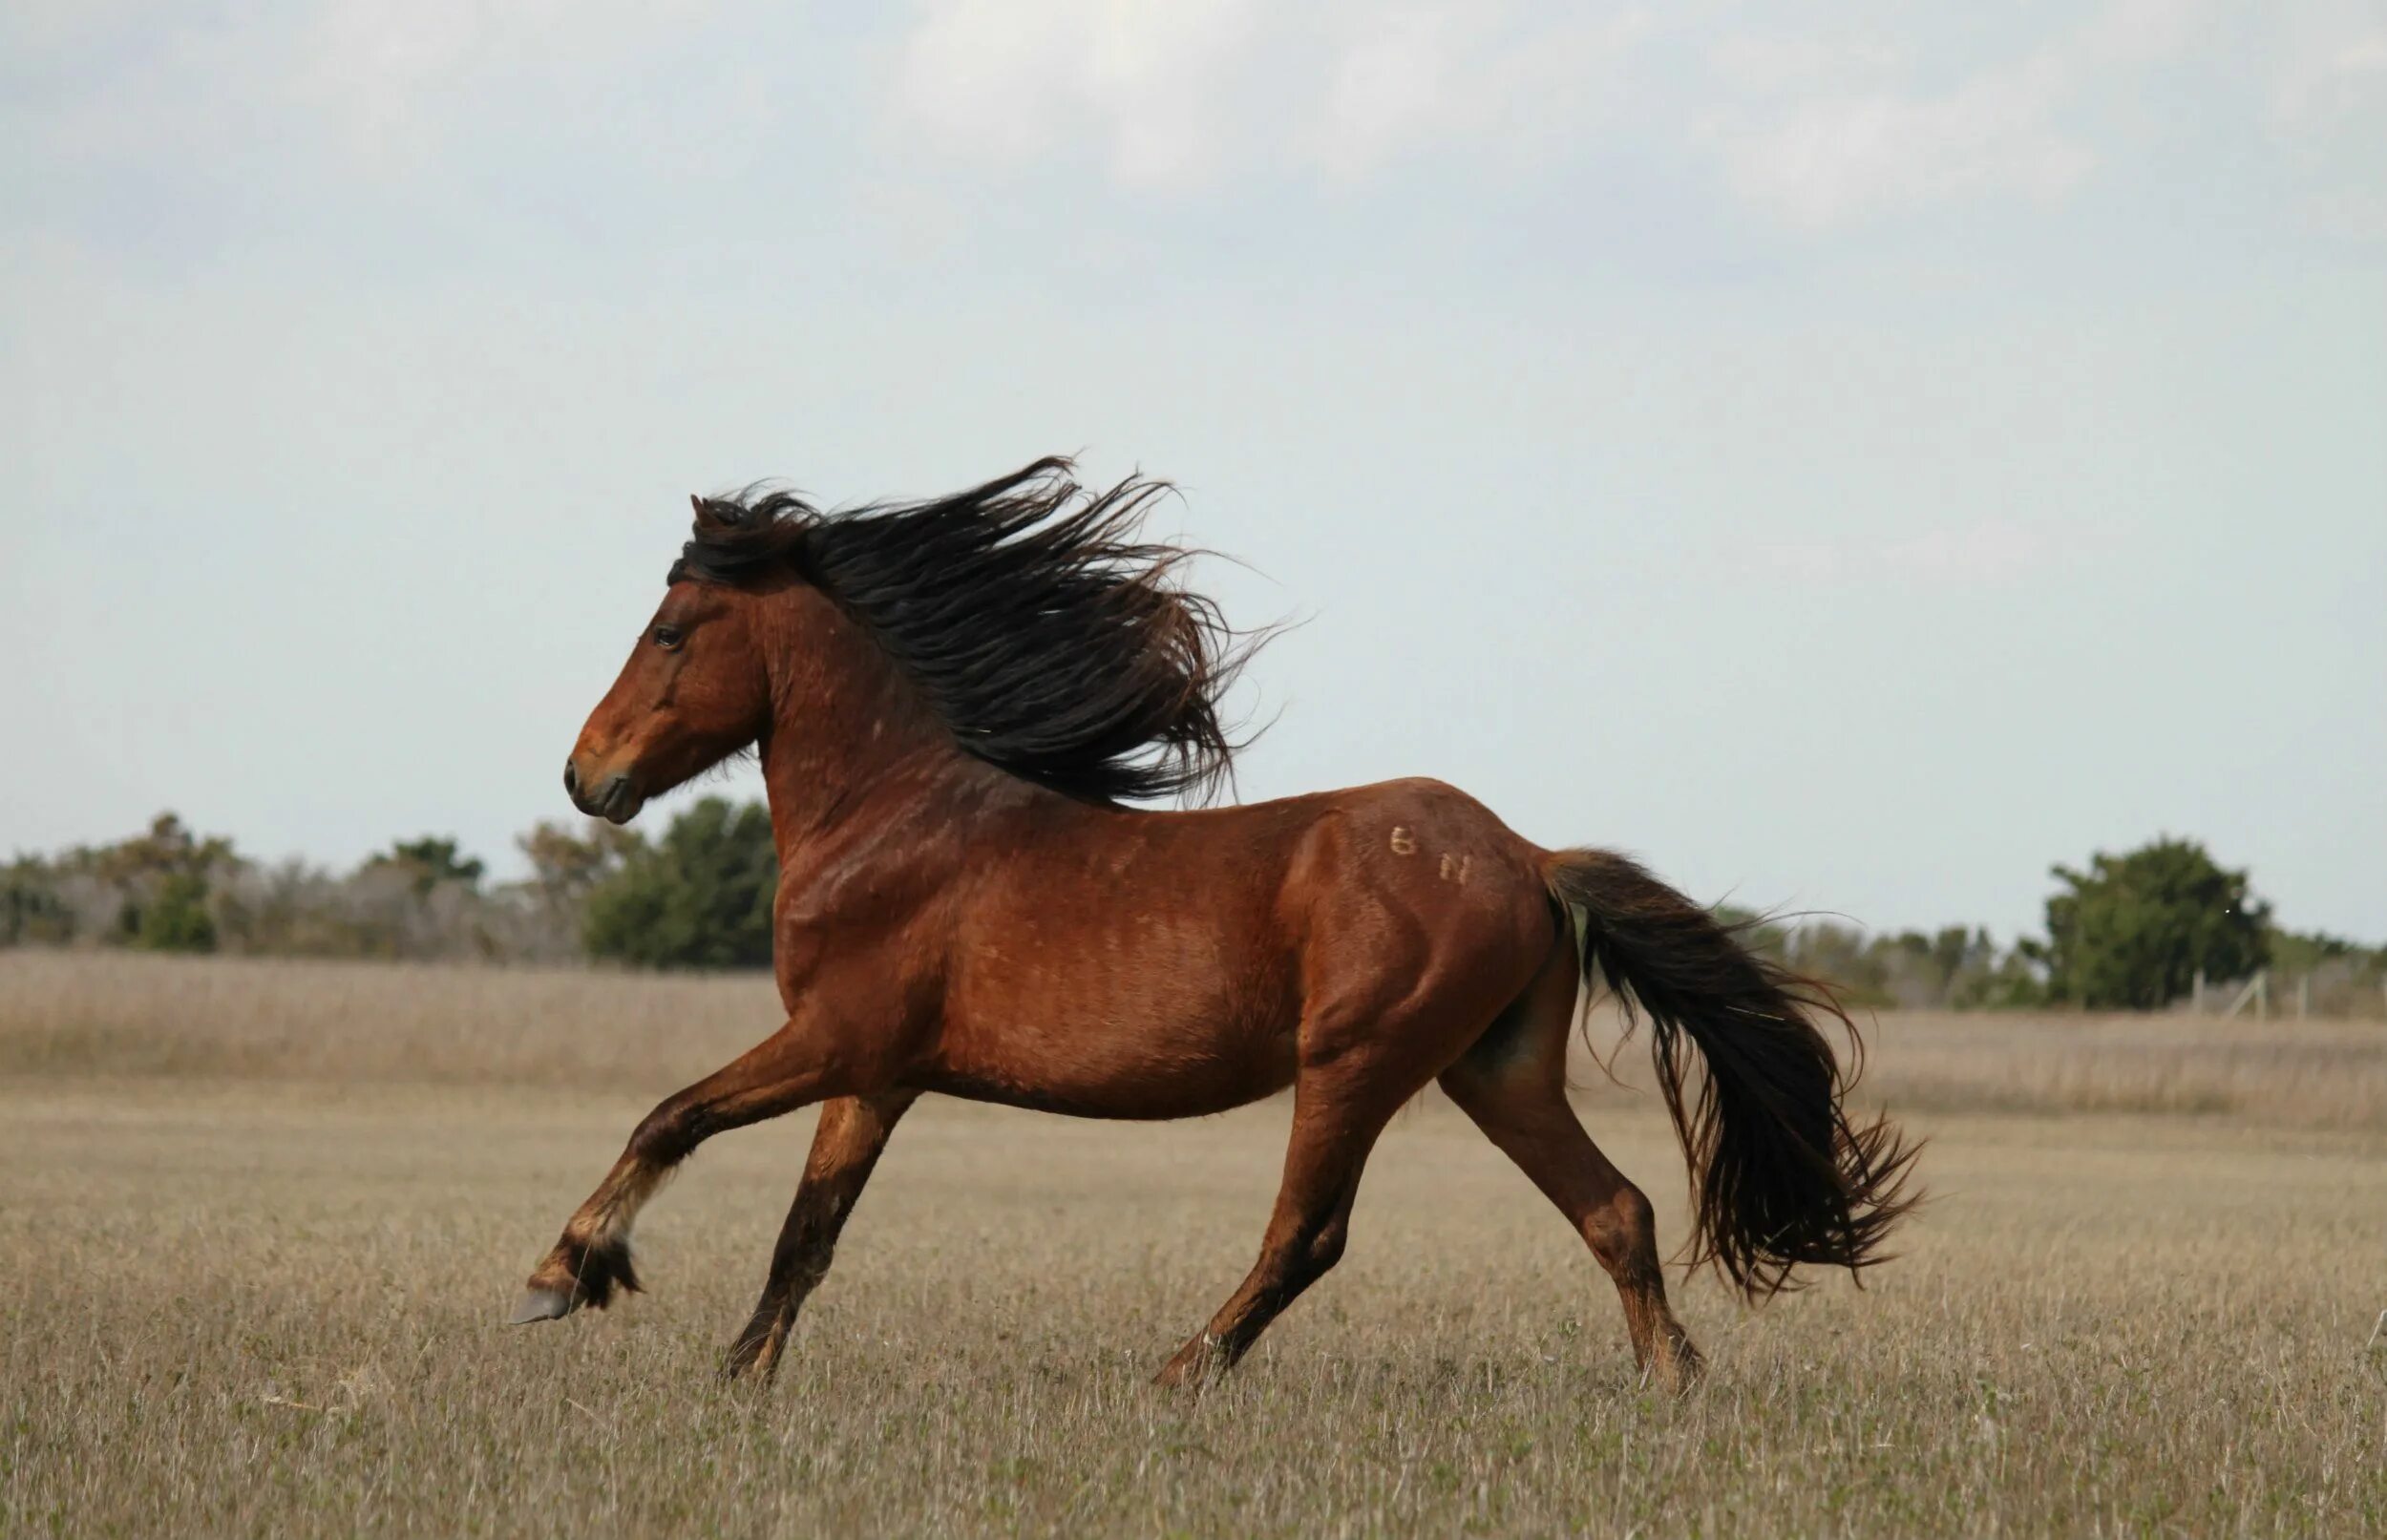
(615, 798)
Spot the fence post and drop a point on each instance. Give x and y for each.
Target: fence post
(2196, 992)
(2304, 997)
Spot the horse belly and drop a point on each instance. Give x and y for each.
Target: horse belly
(1142, 1015)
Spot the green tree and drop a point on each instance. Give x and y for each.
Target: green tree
(2303, 951)
(566, 865)
(164, 880)
(31, 909)
(430, 861)
(1955, 968)
(699, 898)
(2133, 930)
(176, 918)
(1994, 980)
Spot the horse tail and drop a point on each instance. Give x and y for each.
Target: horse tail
(1780, 1176)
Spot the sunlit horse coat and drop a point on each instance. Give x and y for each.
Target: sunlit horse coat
(954, 702)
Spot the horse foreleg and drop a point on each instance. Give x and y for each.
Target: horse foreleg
(779, 1074)
(1332, 1135)
(846, 1146)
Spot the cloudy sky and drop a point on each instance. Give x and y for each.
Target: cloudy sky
(1852, 455)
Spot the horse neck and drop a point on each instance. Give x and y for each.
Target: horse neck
(847, 726)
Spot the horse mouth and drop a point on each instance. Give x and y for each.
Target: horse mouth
(620, 801)
(615, 798)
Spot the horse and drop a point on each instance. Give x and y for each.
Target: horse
(958, 705)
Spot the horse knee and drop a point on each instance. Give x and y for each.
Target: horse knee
(666, 1135)
(1326, 1246)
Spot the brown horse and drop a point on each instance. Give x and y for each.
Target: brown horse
(953, 701)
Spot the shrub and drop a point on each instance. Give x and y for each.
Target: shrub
(2133, 930)
(700, 897)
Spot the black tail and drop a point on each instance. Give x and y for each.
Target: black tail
(1780, 1176)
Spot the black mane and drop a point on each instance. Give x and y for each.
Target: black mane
(1049, 639)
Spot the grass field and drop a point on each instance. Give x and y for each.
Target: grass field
(264, 1220)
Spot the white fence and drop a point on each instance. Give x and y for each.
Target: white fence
(2331, 989)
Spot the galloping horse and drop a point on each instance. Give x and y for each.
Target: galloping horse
(954, 703)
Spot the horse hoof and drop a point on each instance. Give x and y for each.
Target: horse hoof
(540, 1304)
(744, 1364)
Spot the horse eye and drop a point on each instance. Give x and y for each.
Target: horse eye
(667, 635)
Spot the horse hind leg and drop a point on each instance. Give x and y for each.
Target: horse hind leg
(1375, 1044)
(1542, 1135)
(1512, 1084)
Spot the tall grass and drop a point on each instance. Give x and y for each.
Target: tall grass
(124, 1014)
(115, 1014)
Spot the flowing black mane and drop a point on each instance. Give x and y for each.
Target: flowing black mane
(1048, 636)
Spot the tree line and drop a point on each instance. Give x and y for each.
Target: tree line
(2129, 931)
(2138, 930)
(698, 896)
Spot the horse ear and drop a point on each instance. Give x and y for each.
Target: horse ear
(713, 513)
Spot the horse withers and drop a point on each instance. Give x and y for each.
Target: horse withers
(955, 703)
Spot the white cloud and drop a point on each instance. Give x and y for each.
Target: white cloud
(1388, 88)
(1823, 129)
(1447, 75)
(1840, 157)
(1190, 91)
(1824, 133)
(1816, 129)
(376, 84)
(1821, 135)
(397, 78)
(1009, 79)
(2329, 115)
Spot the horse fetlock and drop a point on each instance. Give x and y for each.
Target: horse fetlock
(1202, 1359)
(1677, 1366)
(585, 1272)
(755, 1354)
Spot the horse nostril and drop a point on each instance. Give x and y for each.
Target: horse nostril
(571, 780)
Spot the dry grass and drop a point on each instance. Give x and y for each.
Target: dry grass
(264, 1218)
(112, 1014)
(118, 1014)
(2302, 1074)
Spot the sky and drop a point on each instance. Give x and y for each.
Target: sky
(1853, 456)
